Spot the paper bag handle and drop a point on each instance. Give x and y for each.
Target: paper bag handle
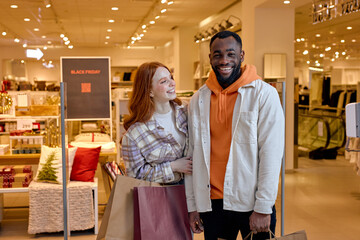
(252, 233)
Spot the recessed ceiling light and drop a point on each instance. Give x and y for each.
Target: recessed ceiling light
(109, 30)
(343, 53)
(62, 35)
(333, 59)
(4, 33)
(331, 32)
(36, 29)
(318, 35)
(298, 39)
(45, 47)
(157, 17)
(141, 34)
(16, 40)
(67, 42)
(27, 19)
(114, 8)
(144, 31)
(321, 55)
(111, 20)
(14, 6)
(163, 10)
(305, 52)
(286, 2)
(342, 40)
(334, 44)
(308, 62)
(298, 51)
(313, 45)
(48, 42)
(152, 22)
(349, 28)
(43, 36)
(354, 40)
(171, 2)
(24, 45)
(302, 39)
(143, 26)
(328, 49)
(107, 37)
(163, 1)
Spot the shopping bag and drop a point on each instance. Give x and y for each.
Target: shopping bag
(161, 213)
(117, 222)
(299, 235)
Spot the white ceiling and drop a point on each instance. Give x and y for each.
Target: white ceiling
(85, 22)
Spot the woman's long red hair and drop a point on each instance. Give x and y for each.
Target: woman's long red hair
(141, 105)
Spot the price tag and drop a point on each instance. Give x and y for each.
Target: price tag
(24, 124)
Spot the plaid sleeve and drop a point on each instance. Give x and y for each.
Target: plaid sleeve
(137, 166)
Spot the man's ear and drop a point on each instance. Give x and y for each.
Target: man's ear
(242, 55)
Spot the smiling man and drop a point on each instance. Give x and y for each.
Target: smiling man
(236, 136)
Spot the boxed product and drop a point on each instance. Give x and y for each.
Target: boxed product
(4, 148)
(7, 171)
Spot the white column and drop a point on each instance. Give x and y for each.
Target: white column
(271, 30)
(185, 54)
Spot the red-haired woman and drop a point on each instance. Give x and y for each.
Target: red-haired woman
(156, 139)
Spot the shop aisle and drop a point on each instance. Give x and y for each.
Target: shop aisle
(322, 197)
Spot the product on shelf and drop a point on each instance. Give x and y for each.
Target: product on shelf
(15, 176)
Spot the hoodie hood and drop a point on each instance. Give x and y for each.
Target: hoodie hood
(248, 74)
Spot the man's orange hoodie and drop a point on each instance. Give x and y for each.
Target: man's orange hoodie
(221, 111)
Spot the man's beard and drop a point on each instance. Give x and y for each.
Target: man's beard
(226, 82)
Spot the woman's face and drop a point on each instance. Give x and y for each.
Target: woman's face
(163, 86)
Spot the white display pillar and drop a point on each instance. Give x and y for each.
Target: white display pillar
(185, 54)
(271, 30)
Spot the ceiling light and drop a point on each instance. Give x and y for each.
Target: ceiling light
(45, 47)
(24, 45)
(22, 61)
(286, 2)
(109, 30)
(62, 35)
(302, 39)
(27, 19)
(114, 8)
(47, 3)
(36, 29)
(4, 33)
(16, 40)
(107, 37)
(328, 49)
(333, 59)
(152, 22)
(163, 1)
(163, 10)
(43, 36)
(308, 62)
(132, 42)
(65, 39)
(71, 46)
(343, 53)
(334, 44)
(14, 6)
(317, 64)
(141, 35)
(298, 40)
(157, 17)
(349, 28)
(144, 31)
(128, 46)
(354, 40)
(305, 52)
(313, 45)
(111, 20)
(67, 42)
(318, 35)
(317, 61)
(48, 42)
(106, 42)
(143, 26)
(336, 53)
(133, 38)
(342, 40)
(337, 56)
(171, 2)
(331, 32)
(321, 55)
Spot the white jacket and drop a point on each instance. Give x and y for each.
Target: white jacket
(256, 151)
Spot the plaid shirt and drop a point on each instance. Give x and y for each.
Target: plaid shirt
(148, 150)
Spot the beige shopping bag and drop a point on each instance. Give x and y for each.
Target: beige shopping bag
(299, 235)
(118, 220)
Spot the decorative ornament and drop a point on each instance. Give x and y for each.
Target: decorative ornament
(5, 102)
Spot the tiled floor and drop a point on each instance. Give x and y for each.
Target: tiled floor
(322, 197)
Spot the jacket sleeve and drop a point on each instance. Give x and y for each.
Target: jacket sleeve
(271, 134)
(137, 166)
(189, 190)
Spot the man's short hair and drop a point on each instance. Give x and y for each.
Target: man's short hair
(226, 34)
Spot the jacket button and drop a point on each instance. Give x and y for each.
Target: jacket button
(208, 186)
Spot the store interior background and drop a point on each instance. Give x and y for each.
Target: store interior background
(266, 27)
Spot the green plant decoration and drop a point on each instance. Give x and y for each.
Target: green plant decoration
(48, 172)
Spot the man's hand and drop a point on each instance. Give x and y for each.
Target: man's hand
(195, 222)
(259, 222)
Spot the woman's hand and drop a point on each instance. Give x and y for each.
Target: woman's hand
(182, 165)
